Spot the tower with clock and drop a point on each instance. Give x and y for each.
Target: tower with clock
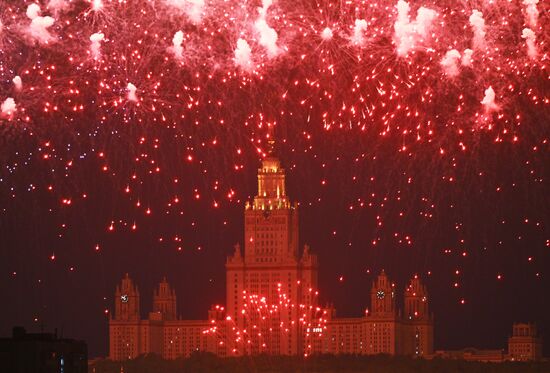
(125, 324)
(382, 324)
(383, 297)
(127, 301)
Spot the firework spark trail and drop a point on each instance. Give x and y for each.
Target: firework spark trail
(192, 71)
(265, 321)
(408, 70)
(134, 34)
(139, 86)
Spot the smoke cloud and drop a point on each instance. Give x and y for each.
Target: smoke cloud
(177, 45)
(132, 92)
(408, 35)
(58, 6)
(489, 101)
(8, 107)
(192, 8)
(17, 83)
(359, 29)
(531, 12)
(38, 28)
(33, 11)
(95, 46)
(268, 36)
(450, 62)
(467, 57)
(529, 36)
(243, 55)
(478, 26)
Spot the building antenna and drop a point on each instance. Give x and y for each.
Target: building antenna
(270, 139)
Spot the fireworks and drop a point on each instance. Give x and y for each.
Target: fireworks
(263, 325)
(405, 46)
(148, 116)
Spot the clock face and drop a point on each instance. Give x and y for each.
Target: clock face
(124, 298)
(380, 294)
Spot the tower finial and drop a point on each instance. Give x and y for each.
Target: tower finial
(270, 139)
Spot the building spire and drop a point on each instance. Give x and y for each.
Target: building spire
(270, 140)
(271, 178)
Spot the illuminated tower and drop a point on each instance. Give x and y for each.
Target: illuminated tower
(127, 301)
(271, 222)
(418, 323)
(124, 327)
(383, 297)
(382, 326)
(270, 277)
(164, 301)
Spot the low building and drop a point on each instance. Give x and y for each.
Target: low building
(473, 354)
(525, 344)
(384, 329)
(42, 352)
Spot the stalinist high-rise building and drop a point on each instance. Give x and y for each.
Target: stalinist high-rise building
(272, 267)
(272, 304)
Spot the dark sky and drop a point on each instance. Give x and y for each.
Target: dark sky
(401, 156)
(487, 233)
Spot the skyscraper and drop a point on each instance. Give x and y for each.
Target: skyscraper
(272, 306)
(124, 328)
(272, 267)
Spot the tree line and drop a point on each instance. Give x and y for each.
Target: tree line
(207, 362)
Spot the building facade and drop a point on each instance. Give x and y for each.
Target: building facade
(524, 344)
(42, 352)
(384, 329)
(271, 296)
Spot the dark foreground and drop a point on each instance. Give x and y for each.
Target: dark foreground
(322, 364)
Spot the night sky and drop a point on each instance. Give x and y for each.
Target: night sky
(135, 152)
